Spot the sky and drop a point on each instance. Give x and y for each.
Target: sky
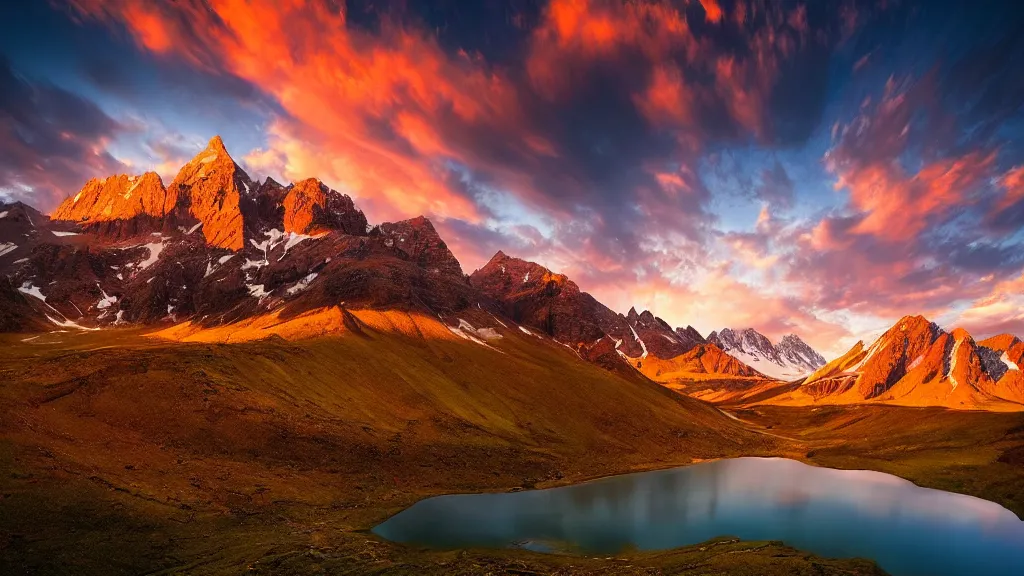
(820, 168)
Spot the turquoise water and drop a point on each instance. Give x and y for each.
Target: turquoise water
(907, 530)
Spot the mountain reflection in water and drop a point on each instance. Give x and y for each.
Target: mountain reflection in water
(907, 529)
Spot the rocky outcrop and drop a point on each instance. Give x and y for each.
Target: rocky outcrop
(210, 190)
(419, 241)
(1003, 357)
(118, 207)
(120, 197)
(536, 297)
(310, 207)
(691, 335)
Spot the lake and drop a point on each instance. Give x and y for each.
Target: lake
(906, 529)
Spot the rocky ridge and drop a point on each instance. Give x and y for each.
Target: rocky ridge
(918, 363)
(552, 304)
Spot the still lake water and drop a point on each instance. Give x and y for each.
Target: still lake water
(907, 530)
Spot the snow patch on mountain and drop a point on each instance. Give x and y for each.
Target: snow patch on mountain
(155, 248)
(1010, 364)
(790, 359)
(302, 284)
(637, 337)
(28, 288)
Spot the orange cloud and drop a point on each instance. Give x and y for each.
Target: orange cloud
(574, 31)
(1001, 310)
(378, 115)
(898, 208)
(1013, 185)
(666, 98)
(712, 11)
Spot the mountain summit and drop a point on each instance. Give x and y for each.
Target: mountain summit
(917, 363)
(214, 247)
(790, 359)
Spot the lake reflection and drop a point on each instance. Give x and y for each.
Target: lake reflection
(908, 530)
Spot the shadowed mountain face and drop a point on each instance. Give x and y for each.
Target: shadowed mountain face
(541, 300)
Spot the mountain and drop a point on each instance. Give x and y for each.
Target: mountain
(791, 359)
(917, 363)
(552, 304)
(214, 247)
(217, 256)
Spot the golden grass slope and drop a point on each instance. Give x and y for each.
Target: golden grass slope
(332, 320)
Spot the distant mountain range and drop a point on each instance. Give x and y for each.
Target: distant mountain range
(916, 363)
(790, 359)
(217, 256)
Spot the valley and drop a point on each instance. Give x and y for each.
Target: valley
(135, 454)
(511, 287)
(227, 374)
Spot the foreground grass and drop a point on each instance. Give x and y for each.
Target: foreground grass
(125, 455)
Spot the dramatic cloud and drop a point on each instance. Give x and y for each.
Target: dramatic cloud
(51, 140)
(1000, 311)
(794, 166)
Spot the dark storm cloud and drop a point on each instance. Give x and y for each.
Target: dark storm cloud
(51, 140)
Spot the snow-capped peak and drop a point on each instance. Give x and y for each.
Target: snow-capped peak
(790, 359)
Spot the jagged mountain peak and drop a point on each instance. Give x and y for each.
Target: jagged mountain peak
(216, 144)
(118, 197)
(792, 358)
(418, 238)
(1001, 342)
(691, 335)
(311, 207)
(916, 362)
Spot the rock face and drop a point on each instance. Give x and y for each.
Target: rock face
(419, 241)
(541, 300)
(691, 335)
(210, 189)
(118, 207)
(917, 363)
(310, 207)
(791, 359)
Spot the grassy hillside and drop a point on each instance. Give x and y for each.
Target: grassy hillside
(130, 454)
(143, 454)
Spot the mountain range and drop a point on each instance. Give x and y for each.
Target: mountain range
(215, 251)
(917, 363)
(790, 359)
(218, 256)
